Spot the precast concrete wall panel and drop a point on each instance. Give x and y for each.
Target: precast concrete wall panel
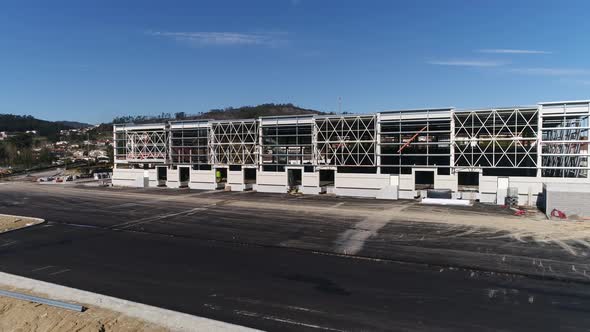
(311, 179)
(128, 177)
(202, 179)
(361, 181)
(571, 199)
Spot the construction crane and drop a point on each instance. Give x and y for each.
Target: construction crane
(411, 139)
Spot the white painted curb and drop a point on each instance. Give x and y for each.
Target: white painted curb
(169, 319)
(36, 220)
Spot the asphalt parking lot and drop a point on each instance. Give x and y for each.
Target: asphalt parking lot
(278, 262)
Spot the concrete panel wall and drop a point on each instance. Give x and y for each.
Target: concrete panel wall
(152, 178)
(272, 178)
(235, 177)
(172, 178)
(311, 179)
(356, 192)
(569, 198)
(204, 180)
(271, 182)
(128, 177)
(311, 190)
(310, 183)
(361, 181)
(488, 184)
(445, 182)
(406, 182)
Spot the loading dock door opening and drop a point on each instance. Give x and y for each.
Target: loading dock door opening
(184, 175)
(249, 175)
(424, 180)
(221, 175)
(294, 177)
(162, 175)
(327, 177)
(468, 180)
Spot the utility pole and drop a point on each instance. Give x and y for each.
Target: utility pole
(339, 105)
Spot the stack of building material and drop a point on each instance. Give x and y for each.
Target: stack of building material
(569, 198)
(512, 197)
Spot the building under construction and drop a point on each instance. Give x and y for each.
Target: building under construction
(477, 154)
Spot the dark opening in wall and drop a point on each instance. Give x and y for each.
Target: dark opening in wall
(424, 180)
(470, 179)
(443, 171)
(365, 170)
(249, 175)
(273, 168)
(201, 167)
(406, 170)
(235, 167)
(308, 169)
(327, 177)
(184, 174)
(294, 177)
(509, 172)
(390, 170)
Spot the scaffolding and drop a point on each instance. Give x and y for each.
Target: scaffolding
(415, 138)
(497, 138)
(345, 141)
(286, 141)
(189, 143)
(145, 144)
(564, 140)
(234, 142)
(548, 140)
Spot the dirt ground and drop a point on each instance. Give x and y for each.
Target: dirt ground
(9, 223)
(23, 316)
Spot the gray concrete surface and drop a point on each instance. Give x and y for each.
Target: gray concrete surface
(227, 256)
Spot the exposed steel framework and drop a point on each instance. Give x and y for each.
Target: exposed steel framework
(234, 142)
(346, 141)
(548, 140)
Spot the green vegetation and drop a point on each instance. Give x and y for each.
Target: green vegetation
(18, 123)
(24, 151)
(244, 112)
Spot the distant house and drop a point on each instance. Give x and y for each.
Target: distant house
(5, 135)
(97, 153)
(103, 142)
(32, 132)
(78, 154)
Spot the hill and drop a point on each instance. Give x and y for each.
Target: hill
(244, 112)
(20, 123)
(248, 112)
(74, 124)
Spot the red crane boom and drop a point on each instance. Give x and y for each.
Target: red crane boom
(411, 139)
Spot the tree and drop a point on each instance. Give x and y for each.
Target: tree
(45, 156)
(111, 153)
(21, 140)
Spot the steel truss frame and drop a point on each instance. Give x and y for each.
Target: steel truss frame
(146, 145)
(496, 138)
(284, 144)
(415, 138)
(189, 145)
(345, 141)
(234, 142)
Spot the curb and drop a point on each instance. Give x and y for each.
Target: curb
(169, 319)
(36, 221)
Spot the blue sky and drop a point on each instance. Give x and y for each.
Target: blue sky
(93, 60)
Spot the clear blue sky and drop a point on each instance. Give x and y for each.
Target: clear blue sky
(93, 60)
